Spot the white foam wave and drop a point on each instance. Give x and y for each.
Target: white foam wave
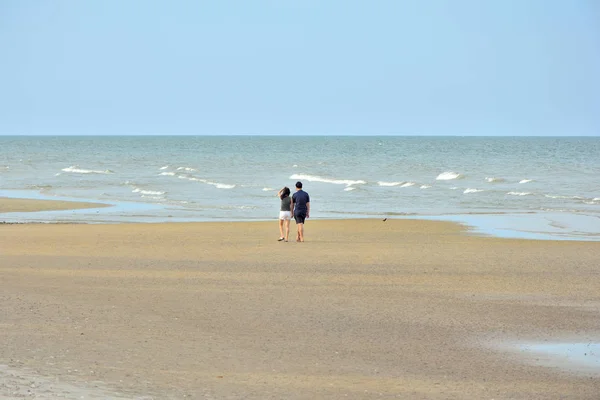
(215, 184)
(525, 180)
(221, 185)
(148, 192)
(168, 173)
(188, 169)
(448, 175)
(57, 174)
(313, 178)
(453, 188)
(295, 166)
(470, 190)
(519, 193)
(408, 184)
(596, 199)
(349, 188)
(563, 197)
(425, 186)
(266, 189)
(165, 167)
(152, 197)
(76, 170)
(492, 180)
(382, 183)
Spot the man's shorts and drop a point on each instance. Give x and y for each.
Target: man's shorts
(300, 217)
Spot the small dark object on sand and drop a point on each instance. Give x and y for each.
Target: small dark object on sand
(385, 219)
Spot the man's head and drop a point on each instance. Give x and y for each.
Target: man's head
(298, 185)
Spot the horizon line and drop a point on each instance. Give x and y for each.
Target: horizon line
(285, 135)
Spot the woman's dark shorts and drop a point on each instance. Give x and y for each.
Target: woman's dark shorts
(300, 217)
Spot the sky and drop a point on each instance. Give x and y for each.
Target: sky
(306, 67)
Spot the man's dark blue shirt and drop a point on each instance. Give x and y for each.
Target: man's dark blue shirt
(300, 199)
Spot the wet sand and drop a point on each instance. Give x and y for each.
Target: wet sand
(364, 309)
(30, 205)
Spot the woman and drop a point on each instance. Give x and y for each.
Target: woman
(285, 213)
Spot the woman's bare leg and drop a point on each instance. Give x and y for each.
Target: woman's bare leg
(280, 228)
(287, 229)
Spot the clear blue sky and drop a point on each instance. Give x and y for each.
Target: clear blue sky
(455, 67)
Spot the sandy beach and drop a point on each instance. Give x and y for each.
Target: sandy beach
(32, 205)
(364, 309)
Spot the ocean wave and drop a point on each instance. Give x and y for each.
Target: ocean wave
(76, 170)
(425, 187)
(168, 173)
(349, 188)
(267, 189)
(525, 180)
(448, 175)
(559, 210)
(40, 188)
(188, 169)
(218, 185)
(563, 197)
(152, 197)
(519, 193)
(313, 178)
(236, 207)
(470, 190)
(221, 185)
(382, 183)
(148, 192)
(165, 167)
(492, 180)
(408, 184)
(132, 184)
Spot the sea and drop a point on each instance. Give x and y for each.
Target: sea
(528, 187)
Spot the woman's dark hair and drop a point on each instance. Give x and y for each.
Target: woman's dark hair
(285, 192)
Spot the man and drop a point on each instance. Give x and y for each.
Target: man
(301, 209)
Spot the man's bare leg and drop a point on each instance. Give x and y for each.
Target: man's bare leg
(301, 232)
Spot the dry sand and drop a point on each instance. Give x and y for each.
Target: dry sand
(364, 309)
(29, 205)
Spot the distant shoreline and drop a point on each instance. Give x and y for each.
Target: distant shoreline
(10, 205)
(16, 211)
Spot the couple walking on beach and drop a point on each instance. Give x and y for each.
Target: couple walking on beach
(299, 206)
